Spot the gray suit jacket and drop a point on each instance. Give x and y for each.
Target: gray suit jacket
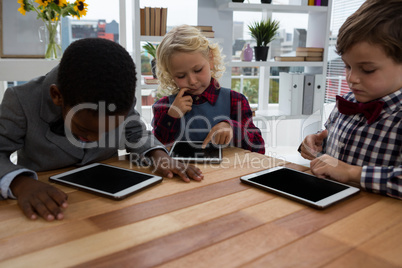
(26, 115)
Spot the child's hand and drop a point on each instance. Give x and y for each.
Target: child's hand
(38, 198)
(327, 166)
(221, 133)
(312, 145)
(181, 105)
(167, 166)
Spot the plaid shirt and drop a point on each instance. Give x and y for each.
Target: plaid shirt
(245, 134)
(376, 147)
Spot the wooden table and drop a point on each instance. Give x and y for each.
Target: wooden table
(218, 222)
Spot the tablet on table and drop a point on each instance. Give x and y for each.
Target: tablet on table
(106, 180)
(300, 186)
(192, 151)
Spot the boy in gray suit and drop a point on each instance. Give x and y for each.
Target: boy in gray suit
(80, 112)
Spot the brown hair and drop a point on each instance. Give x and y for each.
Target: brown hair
(377, 22)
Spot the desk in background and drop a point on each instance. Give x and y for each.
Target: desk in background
(218, 222)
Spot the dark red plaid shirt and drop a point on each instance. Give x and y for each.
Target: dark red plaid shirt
(245, 134)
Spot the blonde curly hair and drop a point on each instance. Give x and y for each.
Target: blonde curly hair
(184, 38)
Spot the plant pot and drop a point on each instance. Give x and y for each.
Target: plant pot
(153, 68)
(266, 1)
(261, 53)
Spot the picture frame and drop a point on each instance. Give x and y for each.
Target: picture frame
(19, 34)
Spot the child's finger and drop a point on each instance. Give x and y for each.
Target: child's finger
(181, 92)
(207, 139)
(322, 135)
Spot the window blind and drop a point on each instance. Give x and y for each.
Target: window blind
(336, 81)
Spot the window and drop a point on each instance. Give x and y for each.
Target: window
(336, 80)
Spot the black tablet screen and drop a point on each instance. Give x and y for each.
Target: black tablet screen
(106, 178)
(299, 184)
(194, 150)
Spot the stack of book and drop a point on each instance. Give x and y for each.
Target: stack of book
(304, 54)
(150, 80)
(153, 21)
(206, 31)
(310, 53)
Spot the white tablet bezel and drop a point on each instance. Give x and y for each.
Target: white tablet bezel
(118, 195)
(320, 204)
(193, 159)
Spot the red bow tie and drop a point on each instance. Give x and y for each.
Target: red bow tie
(371, 110)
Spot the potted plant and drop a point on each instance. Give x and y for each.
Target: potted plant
(263, 32)
(151, 50)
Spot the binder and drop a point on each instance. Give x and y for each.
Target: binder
(291, 93)
(319, 92)
(308, 94)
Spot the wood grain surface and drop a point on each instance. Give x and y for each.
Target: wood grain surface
(218, 222)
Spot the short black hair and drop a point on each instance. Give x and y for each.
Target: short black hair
(94, 70)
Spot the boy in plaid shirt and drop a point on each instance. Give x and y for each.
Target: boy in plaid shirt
(362, 140)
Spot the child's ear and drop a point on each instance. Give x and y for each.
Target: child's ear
(56, 95)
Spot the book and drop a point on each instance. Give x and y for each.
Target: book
(142, 21)
(311, 2)
(208, 34)
(310, 49)
(152, 23)
(317, 2)
(309, 53)
(163, 21)
(150, 81)
(289, 58)
(324, 3)
(147, 20)
(313, 58)
(204, 28)
(157, 21)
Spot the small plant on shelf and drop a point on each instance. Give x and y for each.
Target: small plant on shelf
(263, 32)
(151, 50)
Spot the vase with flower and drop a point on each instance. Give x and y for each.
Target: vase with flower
(51, 12)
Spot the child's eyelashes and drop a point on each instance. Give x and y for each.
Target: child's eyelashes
(368, 71)
(183, 76)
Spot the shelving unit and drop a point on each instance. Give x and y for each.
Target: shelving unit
(318, 30)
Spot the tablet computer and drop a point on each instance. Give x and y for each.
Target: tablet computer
(192, 151)
(300, 186)
(106, 180)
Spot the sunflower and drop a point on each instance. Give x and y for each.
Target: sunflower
(22, 8)
(81, 8)
(60, 3)
(43, 3)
